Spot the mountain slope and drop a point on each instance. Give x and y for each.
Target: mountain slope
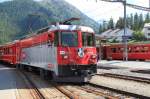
(19, 17)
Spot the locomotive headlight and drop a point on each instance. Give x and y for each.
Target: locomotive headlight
(65, 56)
(80, 52)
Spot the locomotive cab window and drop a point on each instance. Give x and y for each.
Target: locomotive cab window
(56, 39)
(88, 39)
(69, 39)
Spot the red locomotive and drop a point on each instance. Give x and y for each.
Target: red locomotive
(67, 52)
(135, 51)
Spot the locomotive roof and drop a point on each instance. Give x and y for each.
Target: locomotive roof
(61, 27)
(9, 43)
(71, 28)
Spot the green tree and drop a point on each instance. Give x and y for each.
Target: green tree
(136, 22)
(120, 23)
(105, 26)
(141, 22)
(147, 18)
(138, 36)
(130, 21)
(111, 24)
(100, 28)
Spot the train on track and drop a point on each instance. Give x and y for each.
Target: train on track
(136, 51)
(61, 51)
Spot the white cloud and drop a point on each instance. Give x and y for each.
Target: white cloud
(103, 10)
(38, 0)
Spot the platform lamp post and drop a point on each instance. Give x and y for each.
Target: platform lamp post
(125, 53)
(149, 3)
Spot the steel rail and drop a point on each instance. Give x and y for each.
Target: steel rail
(40, 95)
(98, 93)
(67, 92)
(120, 91)
(133, 78)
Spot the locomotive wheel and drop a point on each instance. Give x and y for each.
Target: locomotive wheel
(21, 67)
(44, 74)
(29, 68)
(17, 66)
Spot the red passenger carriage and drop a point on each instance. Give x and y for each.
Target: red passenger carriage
(10, 52)
(135, 51)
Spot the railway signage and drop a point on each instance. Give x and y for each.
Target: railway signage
(126, 37)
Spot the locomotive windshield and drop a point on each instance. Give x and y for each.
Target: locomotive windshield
(88, 39)
(69, 39)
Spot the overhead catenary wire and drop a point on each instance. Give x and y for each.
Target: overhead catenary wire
(121, 1)
(129, 5)
(138, 7)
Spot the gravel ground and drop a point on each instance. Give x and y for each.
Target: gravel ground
(123, 68)
(124, 85)
(126, 64)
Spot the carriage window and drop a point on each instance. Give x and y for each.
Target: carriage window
(10, 51)
(137, 49)
(129, 49)
(1, 52)
(88, 39)
(146, 49)
(5, 50)
(69, 39)
(113, 50)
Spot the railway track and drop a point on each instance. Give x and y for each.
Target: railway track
(133, 78)
(88, 90)
(98, 92)
(128, 85)
(32, 87)
(82, 92)
(39, 88)
(69, 91)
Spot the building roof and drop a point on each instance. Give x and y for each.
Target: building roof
(114, 34)
(103, 34)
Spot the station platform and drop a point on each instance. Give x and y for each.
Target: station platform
(125, 64)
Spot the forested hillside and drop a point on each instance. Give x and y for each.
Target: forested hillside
(20, 17)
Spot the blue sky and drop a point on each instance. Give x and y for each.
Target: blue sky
(101, 10)
(3, 0)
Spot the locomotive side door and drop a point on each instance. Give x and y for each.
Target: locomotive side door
(52, 51)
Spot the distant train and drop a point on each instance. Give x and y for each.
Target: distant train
(65, 52)
(135, 51)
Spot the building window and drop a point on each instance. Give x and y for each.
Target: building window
(148, 34)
